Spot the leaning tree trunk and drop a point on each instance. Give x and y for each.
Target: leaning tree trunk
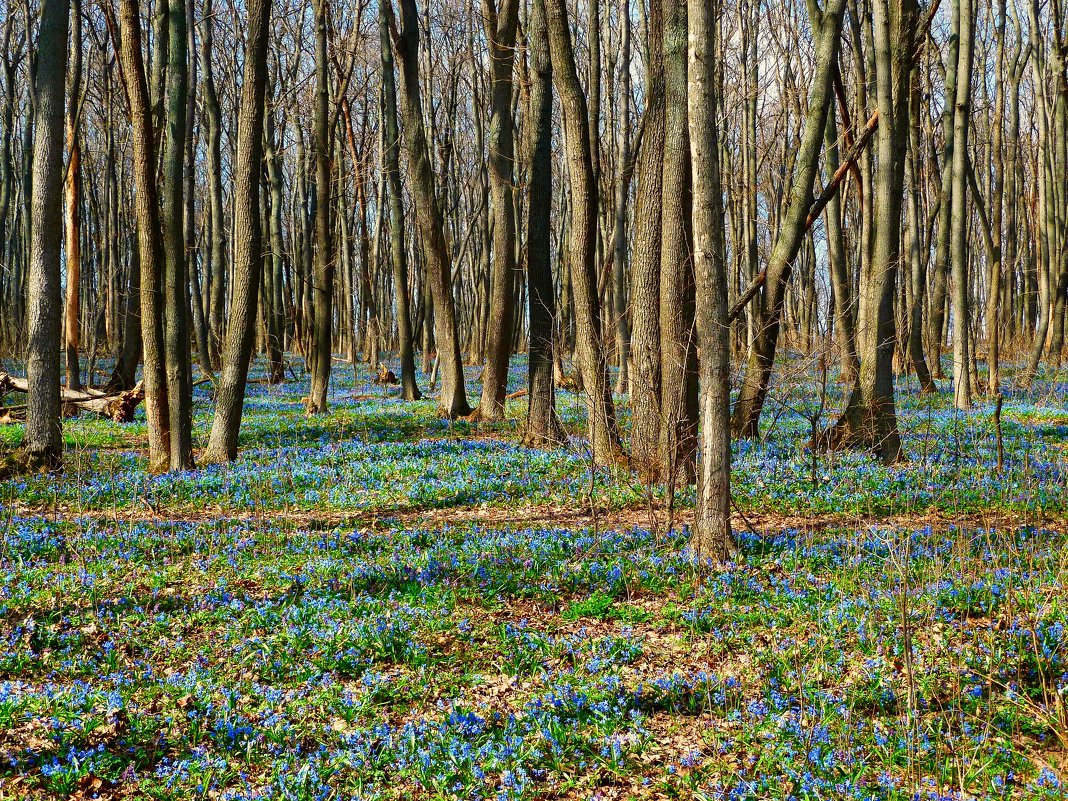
(543, 427)
(42, 445)
(501, 25)
(582, 239)
(453, 399)
(248, 240)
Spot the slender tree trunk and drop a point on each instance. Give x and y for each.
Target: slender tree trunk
(397, 247)
(845, 327)
(73, 194)
(275, 313)
(501, 25)
(604, 436)
(870, 418)
(214, 173)
(962, 390)
(918, 260)
(325, 255)
(147, 209)
(619, 233)
(453, 399)
(745, 418)
(937, 319)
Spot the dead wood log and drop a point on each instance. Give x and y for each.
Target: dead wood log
(119, 406)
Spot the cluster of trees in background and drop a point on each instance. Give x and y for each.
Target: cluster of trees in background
(656, 185)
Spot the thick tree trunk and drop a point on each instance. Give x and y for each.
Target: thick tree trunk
(176, 297)
(711, 537)
(677, 452)
(42, 446)
(248, 239)
(646, 261)
(543, 426)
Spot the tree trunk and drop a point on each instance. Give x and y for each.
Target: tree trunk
(453, 399)
(962, 389)
(42, 446)
(73, 193)
(248, 239)
(745, 419)
(324, 266)
(150, 245)
(870, 418)
(176, 297)
(543, 426)
(214, 172)
(501, 25)
(646, 261)
(678, 346)
(711, 538)
(582, 240)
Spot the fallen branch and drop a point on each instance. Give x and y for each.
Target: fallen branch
(119, 407)
(849, 164)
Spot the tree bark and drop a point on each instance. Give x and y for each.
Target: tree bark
(543, 426)
(72, 196)
(248, 239)
(321, 351)
(42, 445)
(582, 239)
(711, 538)
(870, 418)
(176, 296)
(501, 25)
(453, 399)
(150, 245)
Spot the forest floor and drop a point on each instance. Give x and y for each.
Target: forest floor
(379, 603)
